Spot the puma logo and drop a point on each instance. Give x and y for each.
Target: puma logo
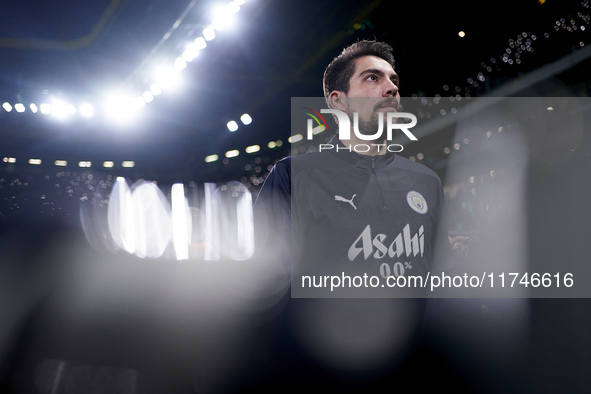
(343, 199)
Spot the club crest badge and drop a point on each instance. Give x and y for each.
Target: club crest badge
(417, 202)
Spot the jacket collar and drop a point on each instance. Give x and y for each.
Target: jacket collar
(363, 161)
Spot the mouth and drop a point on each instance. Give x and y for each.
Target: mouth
(390, 107)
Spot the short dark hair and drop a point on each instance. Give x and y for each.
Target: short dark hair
(339, 72)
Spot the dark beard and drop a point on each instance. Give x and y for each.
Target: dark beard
(370, 126)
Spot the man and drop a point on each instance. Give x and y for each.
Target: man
(350, 211)
(352, 216)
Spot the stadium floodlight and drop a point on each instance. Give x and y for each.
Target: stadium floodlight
(148, 97)
(272, 144)
(200, 43)
(34, 108)
(19, 107)
(7, 107)
(246, 119)
(191, 52)
(85, 164)
(232, 153)
(45, 109)
(128, 164)
(234, 7)
(253, 149)
(166, 78)
(121, 107)
(61, 163)
(140, 102)
(187, 56)
(108, 164)
(155, 89)
(209, 33)
(35, 162)
(211, 158)
(86, 110)
(239, 2)
(232, 126)
(180, 64)
(223, 16)
(295, 138)
(60, 109)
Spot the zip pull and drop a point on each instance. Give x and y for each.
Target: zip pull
(373, 163)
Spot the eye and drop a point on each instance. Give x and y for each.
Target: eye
(371, 77)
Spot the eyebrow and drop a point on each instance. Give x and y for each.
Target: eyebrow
(394, 77)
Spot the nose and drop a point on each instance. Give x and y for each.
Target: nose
(390, 90)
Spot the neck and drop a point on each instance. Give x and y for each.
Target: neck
(369, 148)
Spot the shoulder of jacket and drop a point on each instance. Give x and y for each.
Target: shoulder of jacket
(415, 167)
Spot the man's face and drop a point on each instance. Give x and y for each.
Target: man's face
(373, 88)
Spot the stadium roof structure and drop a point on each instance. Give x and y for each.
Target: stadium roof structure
(107, 54)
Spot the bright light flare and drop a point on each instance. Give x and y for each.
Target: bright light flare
(34, 108)
(7, 107)
(223, 16)
(61, 163)
(155, 89)
(231, 209)
(35, 162)
(108, 164)
(148, 97)
(151, 220)
(166, 78)
(140, 102)
(232, 153)
(317, 129)
(211, 158)
(120, 216)
(86, 110)
(234, 7)
(19, 107)
(121, 108)
(60, 109)
(200, 43)
(295, 138)
(191, 52)
(45, 109)
(128, 164)
(85, 164)
(209, 33)
(253, 149)
(181, 222)
(180, 64)
(232, 126)
(246, 119)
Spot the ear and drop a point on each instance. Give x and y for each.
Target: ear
(338, 100)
